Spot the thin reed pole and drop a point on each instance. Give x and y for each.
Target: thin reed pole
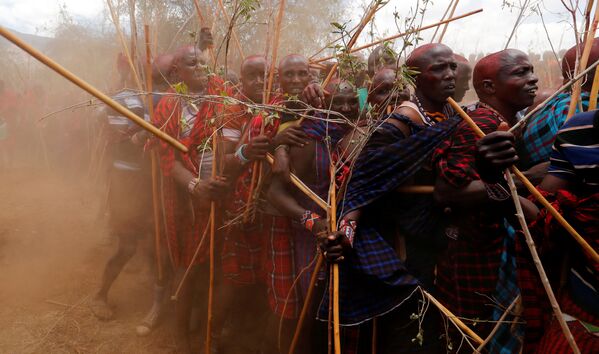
(529, 241)
(455, 4)
(90, 89)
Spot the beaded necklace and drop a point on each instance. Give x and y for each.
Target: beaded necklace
(435, 117)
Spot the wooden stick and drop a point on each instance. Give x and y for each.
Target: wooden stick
(576, 89)
(453, 318)
(307, 302)
(518, 19)
(154, 157)
(416, 189)
(90, 89)
(537, 261)
(497, 325)
(175, 296)
(117, 25)
(594, 91)
(401, 35)
(202, 23)
(455, 4)
(211, 245)
(529, 241)
(442, 18)
(335, 279)
(275, 50)
(303, 187)
(233, 33)
(542, 104)
(581, 241)
(374, 342)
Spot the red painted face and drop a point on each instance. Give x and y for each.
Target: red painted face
(516, 82)
(191, 68)
(294, 75)
(437, 78)
(252, 78)
(383, 91)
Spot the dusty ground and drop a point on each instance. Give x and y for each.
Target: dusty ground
(53, 247)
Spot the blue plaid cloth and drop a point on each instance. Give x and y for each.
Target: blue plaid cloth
(373, 280)
(508, 338)
(541, 129)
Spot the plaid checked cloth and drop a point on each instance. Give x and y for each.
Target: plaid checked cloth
(468, 271)
(184, 222)
(243, 252)
(541, 129)
(373, 279)
(280, 267)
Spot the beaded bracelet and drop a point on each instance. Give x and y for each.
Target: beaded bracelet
(308, 219)
(240, 156)
(348, 227)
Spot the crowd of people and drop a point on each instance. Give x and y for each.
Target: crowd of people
(423, 205)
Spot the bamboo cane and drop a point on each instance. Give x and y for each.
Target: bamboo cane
(90, 89)
(211, 245)
(366, 46)
(581, 241)
(529, 241)
(455, 4)
(576, 90)
(335, 266)
(202, 23)
(442, 18)
(542, 104)
(256, 181)
(498, 324)
(594, 91)
(175, 296)
(307, 302)
(117, 25)
(453, 318)
(233, 33)
(154, 157)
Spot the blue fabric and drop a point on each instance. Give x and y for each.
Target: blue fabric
(508, 338)
(373, 280)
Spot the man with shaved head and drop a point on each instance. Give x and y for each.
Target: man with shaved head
(311, 164)
(463, 77)
(540, 131)
(387, 245)
(478, 264)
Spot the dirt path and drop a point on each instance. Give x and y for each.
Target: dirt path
(53, 247)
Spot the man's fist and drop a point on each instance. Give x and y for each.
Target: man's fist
(257, 148)
(495, 153)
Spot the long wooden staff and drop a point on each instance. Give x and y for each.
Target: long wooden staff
(455, 4)
(117, 25)
(233, 33)
(531, 188)
(442, 18)
(357, 49)
(560, 90)
(155, 186)
(594, 92)
(257, 166)
(202, 23)
(334, 296)
(590, 38)
(529, 241)
(90, 89)
(211, 245)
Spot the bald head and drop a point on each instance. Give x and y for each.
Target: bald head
(506, 80)
(294, 74)
(189, 64)
(423, 55)
(436, 79)
(463, 76)
(253, 70)
(380, 57)
(569, 64)
(343, 98)
(162, 69)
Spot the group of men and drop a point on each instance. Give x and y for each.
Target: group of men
(396, 247)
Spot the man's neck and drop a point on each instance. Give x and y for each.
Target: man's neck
(429, 105)
(507, 112)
